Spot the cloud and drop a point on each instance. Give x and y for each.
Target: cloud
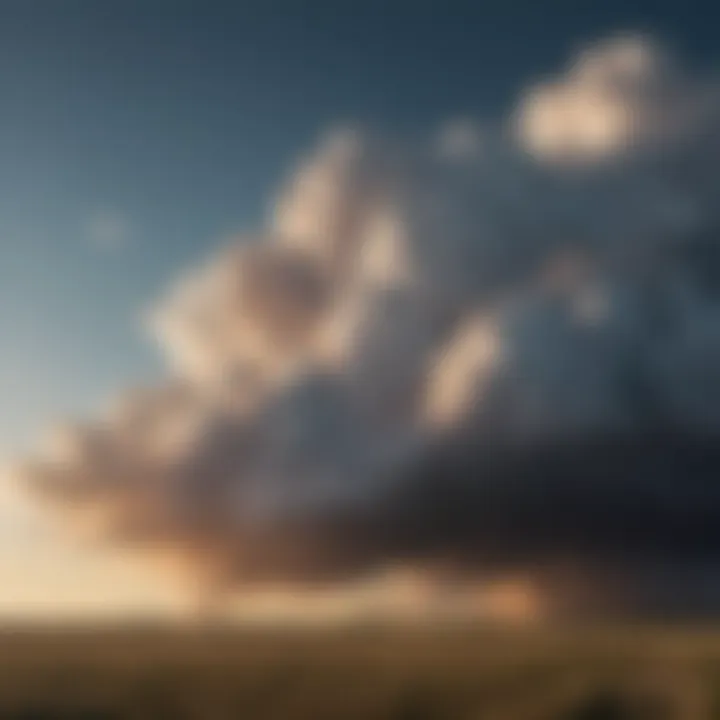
(621, 94)
(107, 231)
(497, 349)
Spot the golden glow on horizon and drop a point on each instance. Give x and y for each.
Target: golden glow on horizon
(44, 576)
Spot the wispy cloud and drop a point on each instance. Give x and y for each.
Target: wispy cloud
(107, 230)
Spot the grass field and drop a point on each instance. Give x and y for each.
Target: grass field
(391, 673)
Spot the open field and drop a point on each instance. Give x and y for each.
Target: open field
(392, 673)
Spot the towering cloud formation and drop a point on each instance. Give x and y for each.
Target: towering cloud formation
(495, 349)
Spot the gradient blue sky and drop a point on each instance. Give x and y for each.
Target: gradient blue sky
(167, 124)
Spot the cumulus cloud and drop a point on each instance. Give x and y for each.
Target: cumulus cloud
(491, 349)
(620, 94)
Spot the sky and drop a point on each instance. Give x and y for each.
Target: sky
(136, 135)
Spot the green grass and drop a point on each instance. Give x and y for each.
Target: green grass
(363, 673)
